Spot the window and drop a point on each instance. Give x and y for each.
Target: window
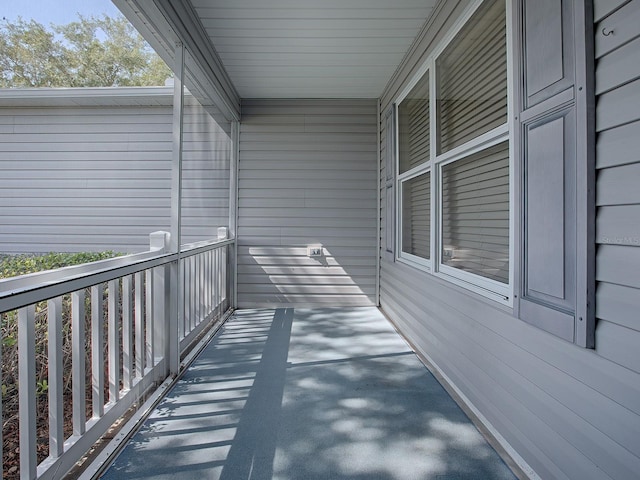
(414, 185)
(475, 213)
(476, 184)
(416, 205)
(457, 148)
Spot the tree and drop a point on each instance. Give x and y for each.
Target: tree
(90, 52)
(30, 56)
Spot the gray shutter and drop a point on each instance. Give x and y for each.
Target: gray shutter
(472, 78)
(556, 281)
(390, 148)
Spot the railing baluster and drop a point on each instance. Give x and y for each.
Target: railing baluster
(113, 342)
(218, 299)
(78, 369)
(180, 292)
(224, 280)
(127, 334)
(188, 285)
(214, 278)
(209, 283)
(198, 281)
(149, 318)
(55, 379)
(139, 324)
(1, 412)
(97, 350)
(192, 293)
(27, 390)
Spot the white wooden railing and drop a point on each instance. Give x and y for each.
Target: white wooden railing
(137, 325)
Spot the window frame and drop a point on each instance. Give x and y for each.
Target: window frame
(488, 288)
(402, 256)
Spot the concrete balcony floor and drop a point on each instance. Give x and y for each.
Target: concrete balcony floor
(308, 394)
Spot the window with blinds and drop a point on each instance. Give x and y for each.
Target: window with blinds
(475, 213)
(471, 79)
(416, 215)
(469, 169)
(413, 117)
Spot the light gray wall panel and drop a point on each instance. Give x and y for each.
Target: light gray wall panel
(623, 24)
(621, 65)
(569, 412)
(619, 344)
(618, 146)
(97, 178)
(618, 106)
(602, 8)
(307, 175)
(619, 225)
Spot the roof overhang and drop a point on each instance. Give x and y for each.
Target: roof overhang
(284, 48)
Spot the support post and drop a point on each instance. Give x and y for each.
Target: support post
(232, 253)
(175, 291)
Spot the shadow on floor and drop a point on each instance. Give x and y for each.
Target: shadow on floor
(308, 394)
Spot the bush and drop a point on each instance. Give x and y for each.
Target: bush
(15, 265)
(11, 266)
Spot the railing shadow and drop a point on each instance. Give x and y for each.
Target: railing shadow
(221, 420)
(316, 395)
(254, 445)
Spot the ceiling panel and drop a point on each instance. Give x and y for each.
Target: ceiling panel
(312, 48)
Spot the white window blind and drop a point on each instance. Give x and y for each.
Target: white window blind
(413, 116)
(416, 216)
(471, 79)
(475, 213)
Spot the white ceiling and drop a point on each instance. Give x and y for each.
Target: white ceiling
(312, 48)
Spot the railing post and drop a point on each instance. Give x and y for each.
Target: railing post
(27, 391)
(161, 293)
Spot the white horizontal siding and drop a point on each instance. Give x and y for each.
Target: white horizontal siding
(88, 179)
(307, 175)
(570, 413)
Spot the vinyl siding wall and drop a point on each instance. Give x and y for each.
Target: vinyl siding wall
(569, 412)
(96, 178)
(618, 187)
(307, 175)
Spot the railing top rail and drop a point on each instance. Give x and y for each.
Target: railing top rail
(190, 249)
(32, 288)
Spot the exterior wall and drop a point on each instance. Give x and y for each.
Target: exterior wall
(618, 188)
(307, 175)
(568, 412)
(97, 178)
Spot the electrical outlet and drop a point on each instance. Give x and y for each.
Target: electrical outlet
(314, 250)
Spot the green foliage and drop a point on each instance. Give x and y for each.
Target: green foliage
(15, 265)
(91, 52)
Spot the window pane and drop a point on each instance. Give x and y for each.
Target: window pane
(475, 213)
(413, 127)
(472, 79)
(416, 215)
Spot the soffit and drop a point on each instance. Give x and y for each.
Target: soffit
(311, 48)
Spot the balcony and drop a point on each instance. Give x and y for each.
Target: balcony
(275, 393)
